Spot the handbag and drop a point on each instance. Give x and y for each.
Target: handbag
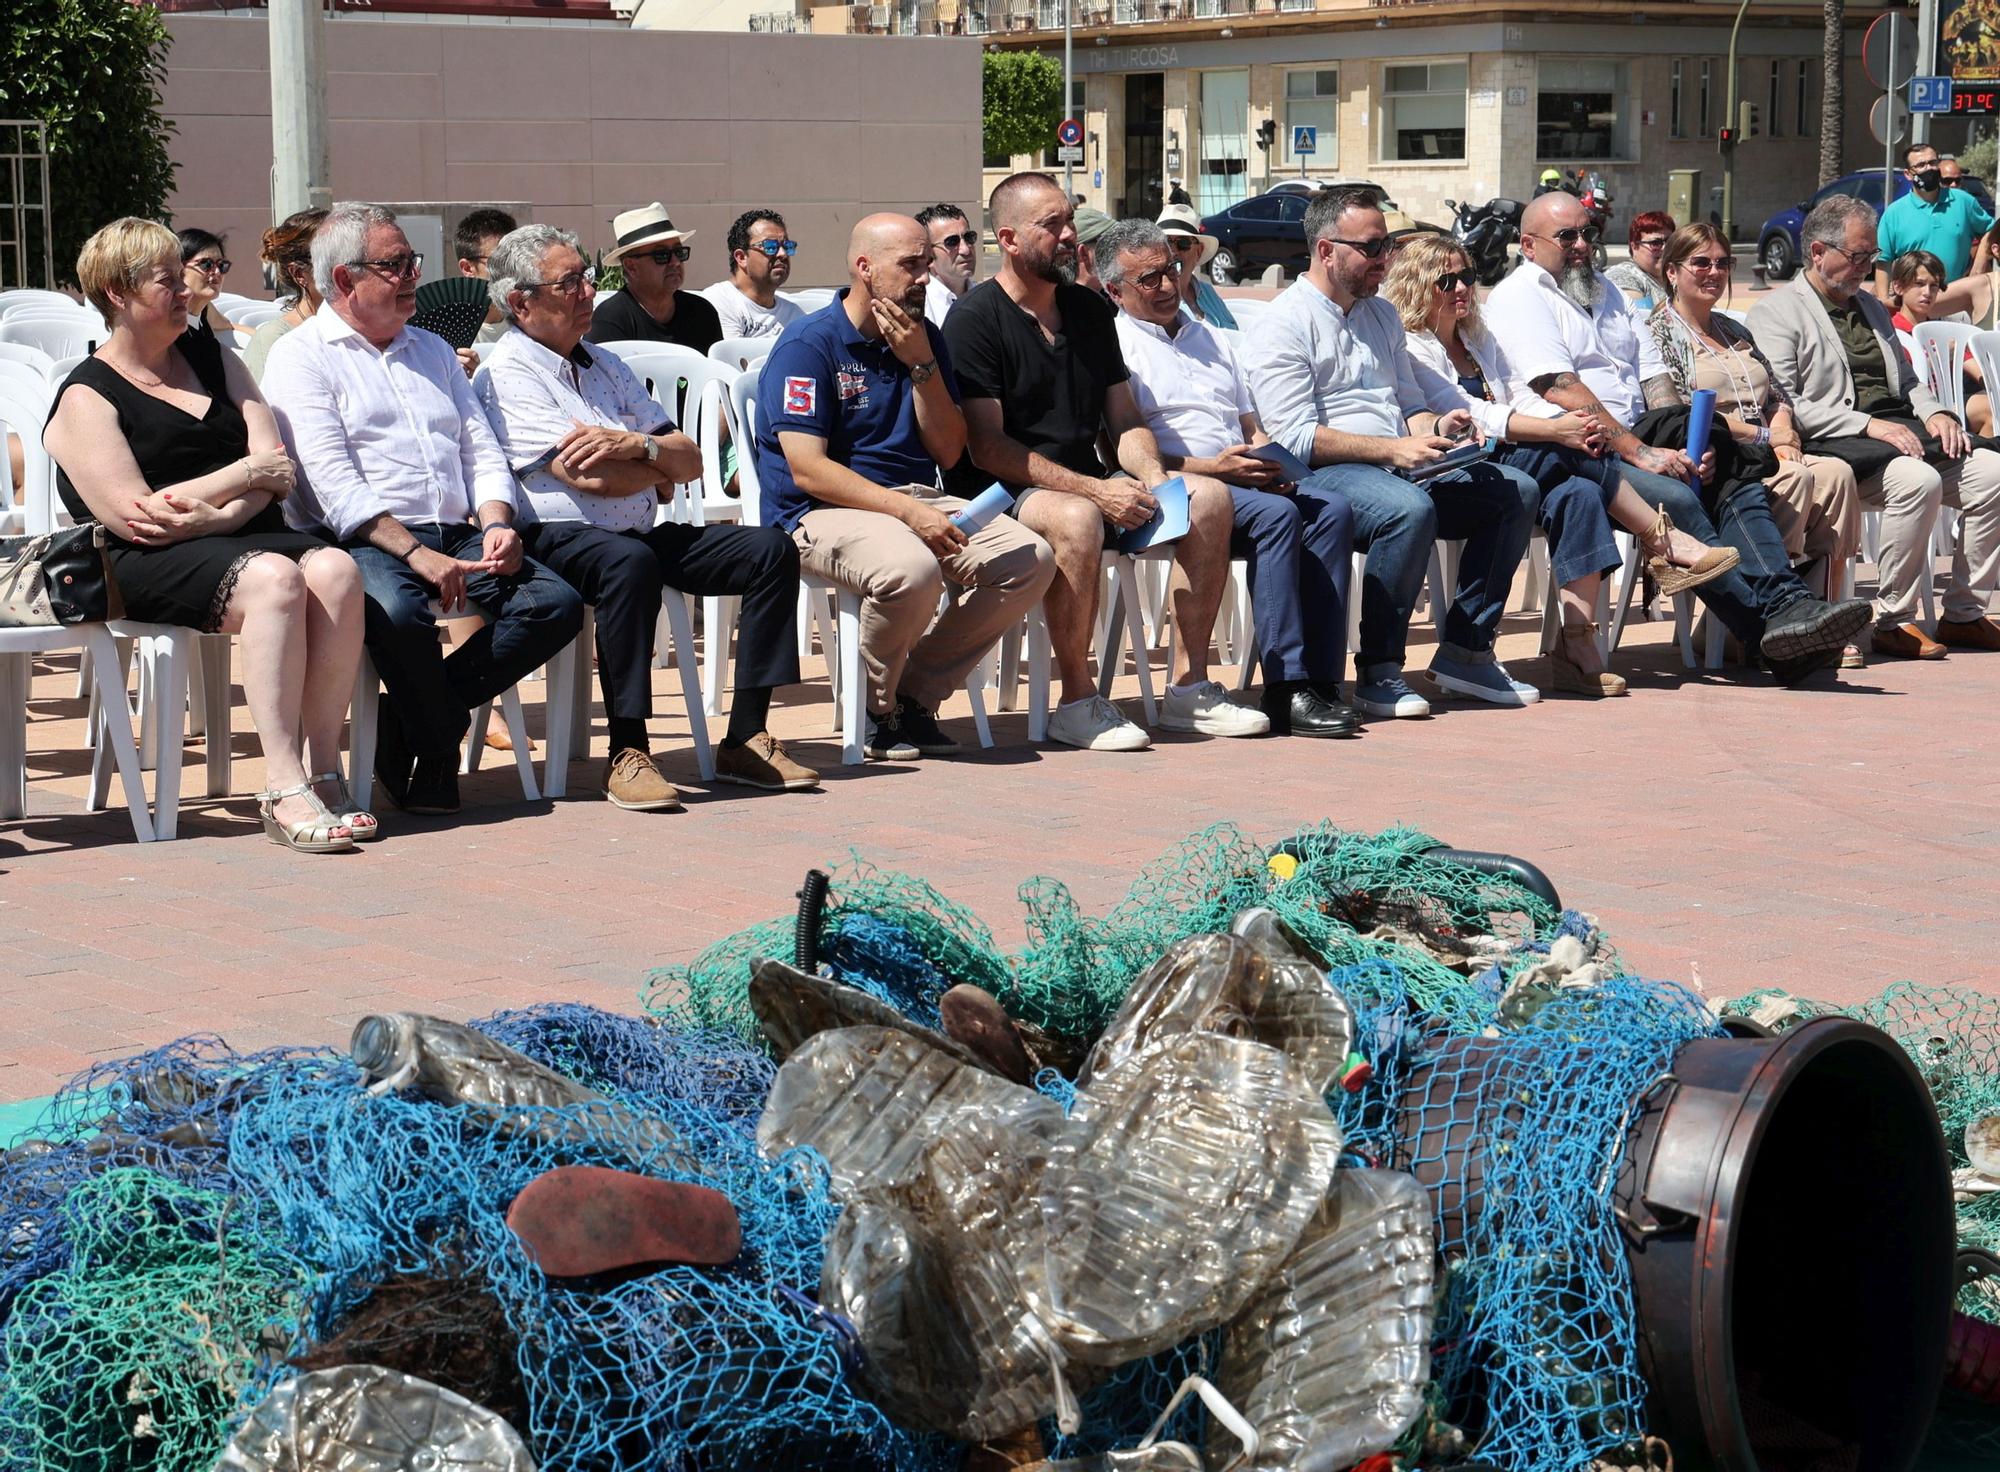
(61, 577)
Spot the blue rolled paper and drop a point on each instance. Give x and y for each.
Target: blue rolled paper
(982, 508)
(1701, 417)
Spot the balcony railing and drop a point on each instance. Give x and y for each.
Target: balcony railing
(778, 21)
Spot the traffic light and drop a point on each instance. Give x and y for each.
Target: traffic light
(1749, 120)
(1267, 134)
(1725, 137)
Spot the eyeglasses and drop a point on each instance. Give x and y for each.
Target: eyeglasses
(953, 242)
(211, 265)
(1167, 275)
(1710, 263)
(1569, 237)
(1369, 248)
(1652, 242)
(1952, 181)
(664, 254)
(570, 285)
(397, 268)
(1456, 278)
(1858, 257)
(1185, 244)
(772, 249)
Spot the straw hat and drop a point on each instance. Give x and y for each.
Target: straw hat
(1181, 219)
(647, 225)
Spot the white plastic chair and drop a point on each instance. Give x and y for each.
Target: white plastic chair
(20, 298)
(59, 337)
(172, 661)
(740, 353)
(24, 408)
(810, 298)
(678, 378)
(569, 679)
(112, 718)
(27, 353)
(1944, 346)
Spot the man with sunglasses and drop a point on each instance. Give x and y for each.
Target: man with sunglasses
(398, 462)
(760, 261)
(954, 259)
(1333, 380)
(1856, 395)
(651, 307)
(1573, 340)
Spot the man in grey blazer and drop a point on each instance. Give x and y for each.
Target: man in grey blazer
(1856, 395)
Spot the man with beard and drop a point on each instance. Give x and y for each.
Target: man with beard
(1041, 377)
(1573, 339)
(1332, 379)
(652, 307)
(760, 261)
(856, 409)
(954, 259)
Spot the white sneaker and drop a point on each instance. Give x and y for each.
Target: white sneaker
(1095, 725)
(1207, 708)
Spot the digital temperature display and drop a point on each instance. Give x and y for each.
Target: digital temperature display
(1982, 101)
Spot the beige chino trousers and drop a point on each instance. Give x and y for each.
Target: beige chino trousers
(996, 577)
(1908, 493)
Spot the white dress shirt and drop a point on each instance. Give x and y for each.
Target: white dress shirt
(1189, 387)
(1312, 363)
(742, 317)
(1437, 376)
(534, 397)
(1545, 332)
(938, 300)
(375, 430)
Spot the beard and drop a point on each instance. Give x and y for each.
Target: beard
(913, 300)
(1579, 283)
(1058, 266)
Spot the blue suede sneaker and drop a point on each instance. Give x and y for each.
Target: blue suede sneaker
(1479, 675)
(1382, 691)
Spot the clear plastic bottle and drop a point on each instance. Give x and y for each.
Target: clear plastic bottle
(362, 1418)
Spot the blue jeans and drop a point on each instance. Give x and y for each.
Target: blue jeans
(1300, 549)
(530, 615)
(1758, 588)
(1490, 507)
(1575, 490)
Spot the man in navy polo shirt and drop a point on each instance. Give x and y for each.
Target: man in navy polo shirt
(856, 409)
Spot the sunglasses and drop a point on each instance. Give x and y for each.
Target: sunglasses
(1710, 263)
(1451, 279)
(1167, 275)
(1573, 234)
(1185, 244)
(1652, 242)
(1370, 248)
(664, 254)
(967, 238)
(772, 249)
(399, 268)
(211, 265)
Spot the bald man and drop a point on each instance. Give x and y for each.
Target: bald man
(857, 408)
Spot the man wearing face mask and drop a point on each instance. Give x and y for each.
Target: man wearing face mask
(954, 259)
(1946, 222)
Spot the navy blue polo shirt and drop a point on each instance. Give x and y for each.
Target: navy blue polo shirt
(826, 379)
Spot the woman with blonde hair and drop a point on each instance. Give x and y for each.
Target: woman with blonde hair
(287, 250)
(162, 438)
(1460, 366)
(1814, 499)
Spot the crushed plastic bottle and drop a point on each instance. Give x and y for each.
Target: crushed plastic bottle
(1204, 983)
(1301, 1012)
(794, 1005)
(1329, 1359)
(1161, 1456)
(1183, 1180)
(362, 1418)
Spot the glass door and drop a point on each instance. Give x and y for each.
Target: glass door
(1225, 139)
(1145, 146)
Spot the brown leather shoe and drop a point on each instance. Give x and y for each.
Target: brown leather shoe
(632, 782)
(1907, 641)
(1977, 633)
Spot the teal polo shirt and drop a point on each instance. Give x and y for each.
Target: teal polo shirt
(1948, 227)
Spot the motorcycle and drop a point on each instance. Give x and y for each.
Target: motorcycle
(1486, 234)
(1588, 186)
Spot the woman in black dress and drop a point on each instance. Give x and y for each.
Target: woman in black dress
(163, 438)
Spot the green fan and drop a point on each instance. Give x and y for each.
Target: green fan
(454, 308)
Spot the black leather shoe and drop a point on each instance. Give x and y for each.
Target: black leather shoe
(1810, 628)
(433, 786)
(1310, 710)
(392, 759)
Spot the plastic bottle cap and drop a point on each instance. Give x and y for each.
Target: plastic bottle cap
(1282, 865)
(1353, 1078)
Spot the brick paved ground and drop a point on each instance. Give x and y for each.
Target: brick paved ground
(1830, 840)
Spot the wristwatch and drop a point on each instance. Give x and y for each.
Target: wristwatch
(921, 374)
(652, 449)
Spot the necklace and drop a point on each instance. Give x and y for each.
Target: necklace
(1739, 389)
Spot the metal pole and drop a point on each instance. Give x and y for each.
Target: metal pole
(1069, 174)
(300, 177)
(1729, 120)
(1920, 123)
(1889, 119)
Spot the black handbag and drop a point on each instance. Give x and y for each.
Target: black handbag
(61, 577)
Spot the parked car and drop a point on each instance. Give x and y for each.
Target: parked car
(1778, 241)
(1270, 228)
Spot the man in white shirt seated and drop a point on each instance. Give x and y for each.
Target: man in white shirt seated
(593, 452)
(1297, 539)
(1332, 379)
(954, 258)
(760, 261)
(396, 456)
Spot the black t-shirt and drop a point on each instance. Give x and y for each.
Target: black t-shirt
(619, 318)
(1051, 394)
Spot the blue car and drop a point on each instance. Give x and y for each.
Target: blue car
(1778, 242)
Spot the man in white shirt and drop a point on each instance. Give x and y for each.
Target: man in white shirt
(954, 259)
(592, 450)
(1573, 339)
(396, 456)
(760, 261)
(1297, 539)
(1332, 378)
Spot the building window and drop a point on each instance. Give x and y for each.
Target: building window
(1676, 119)
(1773, 118)
(1423, 112)
(1580, 109)
(1312, 100)
(1701, 125)
(1806, 127)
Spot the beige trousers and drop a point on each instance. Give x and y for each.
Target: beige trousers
(995, 579)
(1908, 493)
(1817, 508)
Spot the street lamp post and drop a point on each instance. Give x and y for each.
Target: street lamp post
(1069, 174)
(1729, 122)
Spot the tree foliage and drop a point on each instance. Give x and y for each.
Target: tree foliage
(1023, 102)
(91, 70)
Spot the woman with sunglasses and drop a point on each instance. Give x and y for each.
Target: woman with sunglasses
(1814, 499)
(1194, 250)
(1431, 286)
(1640, 278)
(203, 266)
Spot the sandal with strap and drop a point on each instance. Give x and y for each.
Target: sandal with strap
(314, 835)
(1572, 675)
(1673, 577)
(360, 822)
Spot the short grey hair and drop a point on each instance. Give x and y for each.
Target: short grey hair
(342, 239)
(516, 262)
(1827, 224)
(1127, 235)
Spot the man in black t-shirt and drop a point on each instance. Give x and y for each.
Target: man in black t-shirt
(1040, 377)
(652, 307)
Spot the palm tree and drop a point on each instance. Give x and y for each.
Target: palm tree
(1832, 94)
